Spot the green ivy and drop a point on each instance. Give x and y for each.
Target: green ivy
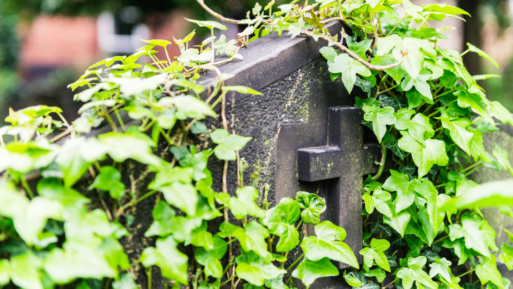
(421, 103)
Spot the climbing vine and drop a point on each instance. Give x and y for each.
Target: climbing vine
(422, 218)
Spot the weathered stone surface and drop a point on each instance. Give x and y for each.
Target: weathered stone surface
(298, 92)
(498, 221)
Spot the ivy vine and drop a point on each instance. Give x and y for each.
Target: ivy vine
(422, 219)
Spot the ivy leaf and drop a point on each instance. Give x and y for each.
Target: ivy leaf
(500, 112)
(349, 67)
(374, 253)
(421, 85)
(370, 285)
(355, 279)
(251, 238)
(413, 10)
(175, 184)
(378, 200)
(393, 146)
(187, 106)
(417, 50)
(24, 270)
(276, 283)
(109, 179)
(414, 98)
(200, 237)
(415, 273)
(183, 196)
(313, 206)
(255, 270)
(85, 258)
(227, 144)
(485, 195)
(477, 149)
(484, 55)
(503, 158)
(469, 230)
(488, 272)
(458, 131)
(360, 48)
(172, 263)
(475, 102)
(397, 73)
(210, 259)
(441, 266)
(208, 24)
(378, 273)
(397, 103)
(126, 281)
(405, 189)
(4, 272)
(242, 90)
(309, 271)
(52, 189)
(489, 235)
(328, 243)
(433, 152)
(121, 146)
(280, 221)
(398, 221)
(380, 118)
(29, 217)
(70, 162)
(329, 53)
(163, 220)
(418, 127)
(373, 4)
(245, 205)
(425, 188)
(506, 256)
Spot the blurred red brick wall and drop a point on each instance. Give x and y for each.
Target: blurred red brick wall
(57, 41)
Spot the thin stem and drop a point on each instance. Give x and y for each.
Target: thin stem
(109, 119)
(324, 37)
(447, 92)
(134, 202)
(332, 19)
(340, 9)
(227, 281)
(397, 25)
(465, 52)
(386, 90)
(27, 187)
(475, 169)
(389, 283)
(433, 114)
(216, 15)
(299, 225)
(476, 120)
(293, 264)
(168, 58)
(120, 120)
(440, 240)
(61, 136)
(148, 274)
(469, 167)
(468, 272)
(354, 55)
(213, 50)
(382, 163)
(166, 136)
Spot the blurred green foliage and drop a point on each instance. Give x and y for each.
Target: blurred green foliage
(9, 46)
(30, 8)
